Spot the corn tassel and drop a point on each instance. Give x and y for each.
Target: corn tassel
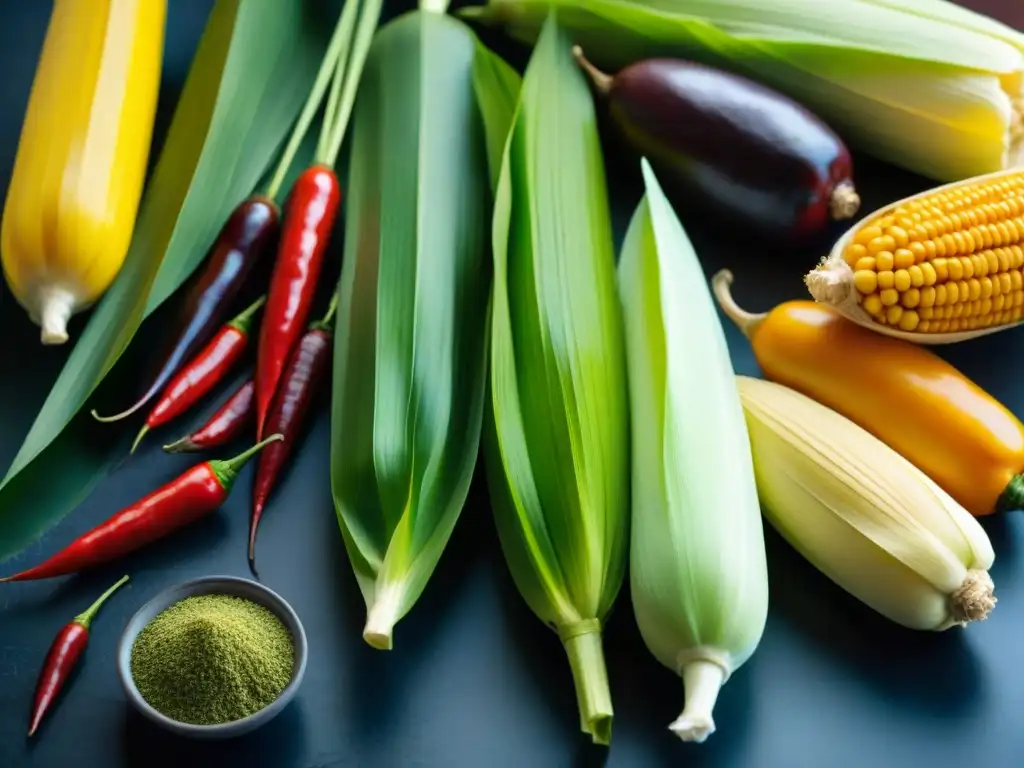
(557, 421)
(919, 83)
(697, 563)
(863, 515)
(81, 160)
(936, 268)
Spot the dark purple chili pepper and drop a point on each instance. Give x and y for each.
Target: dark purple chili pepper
(305, 370)
(224, 425)
(240, 244)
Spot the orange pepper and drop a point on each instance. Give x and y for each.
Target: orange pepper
(908, 397)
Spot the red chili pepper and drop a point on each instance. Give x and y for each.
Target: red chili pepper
(222, 426)
(308, 222)
(307, 366)
(197, 492)
(242, 241)
(64, 652)
(203, 372)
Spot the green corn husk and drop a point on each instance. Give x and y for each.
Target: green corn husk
(698, 572)
(410, 346)
(923, 84)
(557, 430)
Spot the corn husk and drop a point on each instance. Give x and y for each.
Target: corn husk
(698, 574)
(863, 515)
(557, 430)
(919, 83)
(411, 340)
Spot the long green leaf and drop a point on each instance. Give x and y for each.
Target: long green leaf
(410, 349)
(557, 449)
(248, 79)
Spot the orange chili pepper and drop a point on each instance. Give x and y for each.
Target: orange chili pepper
(908, 397)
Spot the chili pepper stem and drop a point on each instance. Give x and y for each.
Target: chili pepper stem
(85, 617)
(243, 319)
(352, 74)
(227, 471)
(325, 322)
(184, 445)
(342, 34)
(747, 322)
(138, 438)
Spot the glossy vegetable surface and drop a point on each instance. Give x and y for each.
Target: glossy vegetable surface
(61, 659)
(194, 494)
(750, 153)
(309, 364)
(204, 371)
(905, 395)
(226, 422)
(241, 242)
(81, 162)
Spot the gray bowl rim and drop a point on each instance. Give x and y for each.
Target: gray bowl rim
(164, 599)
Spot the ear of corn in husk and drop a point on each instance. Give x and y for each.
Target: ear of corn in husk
(82, 156)
(698, 575)
(935, 268)
(863, 515)
(922, 84)
(557, 432)
(411, 338)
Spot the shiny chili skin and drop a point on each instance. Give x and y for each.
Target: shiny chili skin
(307, 367)
(309, 219)
(223, 426)
(203, 372)
(62, 657)
(199, 491)
(943, 423)
(239, 246)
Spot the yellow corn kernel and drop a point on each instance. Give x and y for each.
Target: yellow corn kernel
(951, 259)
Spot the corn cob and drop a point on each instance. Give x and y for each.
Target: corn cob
(698, 575)
(937, 267)
(863, 515)
(82, 156)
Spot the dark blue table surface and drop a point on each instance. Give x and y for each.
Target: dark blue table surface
(474, 679)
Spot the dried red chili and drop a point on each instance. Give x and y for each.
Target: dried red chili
(203, 372)
(223, 426)
(197, 492)
(62, 657)
(306, 369)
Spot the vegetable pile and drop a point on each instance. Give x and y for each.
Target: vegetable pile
(482, 310)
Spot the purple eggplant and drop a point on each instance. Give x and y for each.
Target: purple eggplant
(737, 147)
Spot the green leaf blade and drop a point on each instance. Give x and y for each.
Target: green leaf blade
(558, 443)
(407, 406)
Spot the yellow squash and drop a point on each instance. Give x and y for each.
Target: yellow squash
(82, 156)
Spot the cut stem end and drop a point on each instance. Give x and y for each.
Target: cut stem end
(975, 598)
(844, 202)
(702, 680)
(381, 617)
(56, 306)
(590, 676)
(831, 282)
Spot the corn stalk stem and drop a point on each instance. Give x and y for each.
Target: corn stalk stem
(586, 658)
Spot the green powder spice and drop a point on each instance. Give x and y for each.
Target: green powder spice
(212, 659)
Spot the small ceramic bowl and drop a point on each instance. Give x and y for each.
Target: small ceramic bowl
(213, 585)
